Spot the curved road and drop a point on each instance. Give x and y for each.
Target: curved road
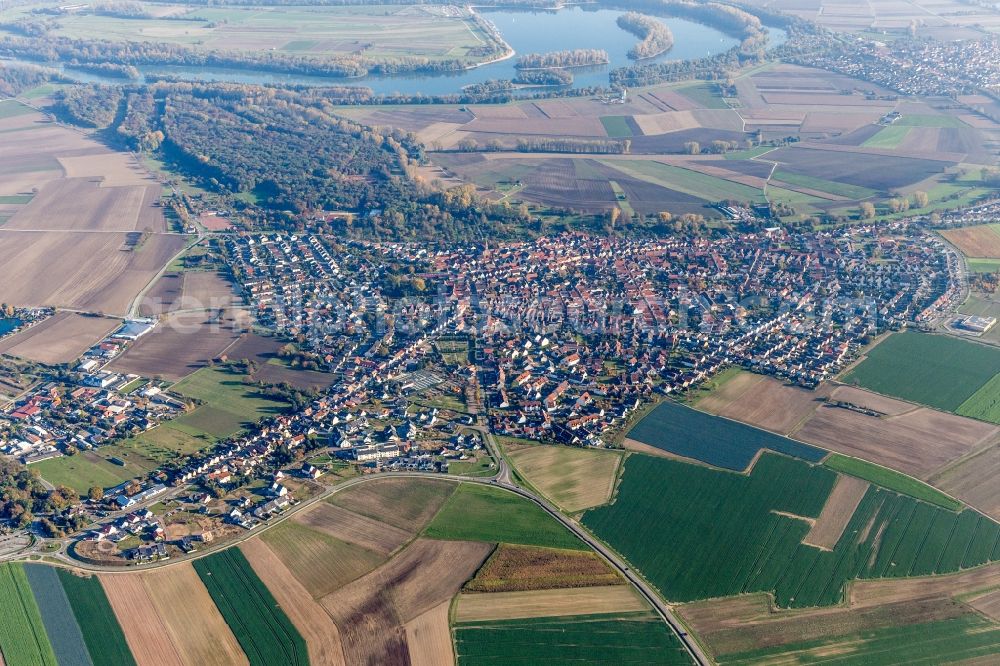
(502, 479)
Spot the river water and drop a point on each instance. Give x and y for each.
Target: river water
(526, 32)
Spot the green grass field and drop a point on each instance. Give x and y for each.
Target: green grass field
(984, 404)
(709, 188)
(698, 533)
(229, 404)
(967, 637)
(839, 189)
(617, 127)
(16, 198)
(263, 630)
(888, 137)
(934, 370)
(704, 94)
(387, 31)
(9, 108)
(22, 635)
(82, 471)
(634, 638)
(983, 265)
(101, 631)
(891, 479)
(481, 513)
(928, 120)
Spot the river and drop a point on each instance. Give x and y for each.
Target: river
(526, 31)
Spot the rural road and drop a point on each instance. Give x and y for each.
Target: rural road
(501, 480)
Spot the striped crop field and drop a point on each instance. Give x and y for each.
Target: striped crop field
(23, 638)
(101, 632)
(263, 630)
(698, 533)
(57, 616)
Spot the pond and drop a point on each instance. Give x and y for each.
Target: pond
(526, 31)
(8, 325)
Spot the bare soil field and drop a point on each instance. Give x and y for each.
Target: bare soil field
(428, 638)
(181, 344)
(864, 593)
(514, 568)
(353, 528)
(473, 607)
(146, 633)
(880, 172)
(196, 626)
(164, 296)
(726, 635)
(988, 604)
(80, 204)
(100, 272)
(206, 290)
(873, 401)
(978, 241)
(405, 503)
(669, 121)
(264, 351)
(837, 512)
(320, 633)
(114, 170)
(372, 611)
(62, 338)
(574, 478)
(974, 481)
(917, 442)
(764, 402)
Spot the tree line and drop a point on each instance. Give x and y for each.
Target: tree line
(572, 58)
(655, 35)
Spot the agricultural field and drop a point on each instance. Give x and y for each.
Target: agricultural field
(320, 562)
(756, 525)
(982, 241)
(181, 344)
(573, 478)
(353, 528)
(610, 638)
(60, 186)
(57, 615)
(762, 401)
(476, 607)
(934, 370)
(274, 370)
(404, 503)
(518, 568)
(891, 479)
(303, 30)
(23, 639)
(826, 530)
(973, 480)
(229, 404)
(62, 338)
(103, 636)
(261, 627)
(888, 137)
(317, 628)
(681, 431)
(482, 513)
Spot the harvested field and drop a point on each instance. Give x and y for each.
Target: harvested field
(514, 568)
(80, 204)
(670, 121)
(745, 624)
(164, 296)
(371, 611)
(974, 480)
(979, 241)
(879, 172)
(62, 338)
(837, 512)
(145, 631)
(872, 401)
(917, 442)
(320, 633)
(428, 638)
(544, 603)
(572, 477)
(196, 627)
(408, 504)
(182, 343)
(353, 528)
(866, 593)
(113, 170)
(763, 401)
(321, 563)
(99, 272)
(270, 368)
